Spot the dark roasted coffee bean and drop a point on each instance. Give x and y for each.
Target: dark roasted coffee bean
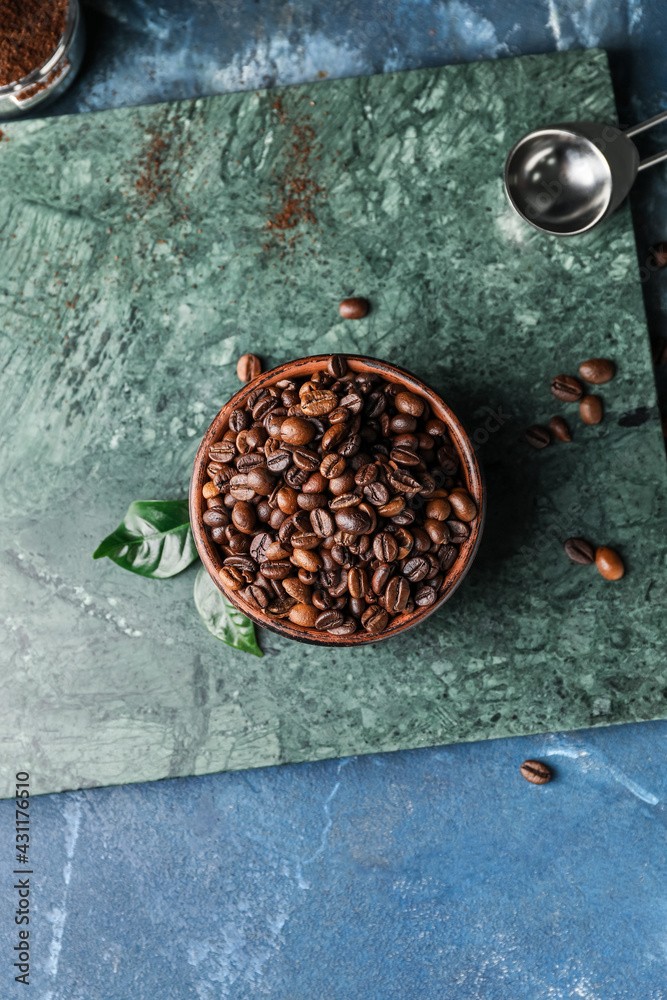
(538, 436)
(306, 459)
(243, 517)
(559, 429)
(353, 402)
(350, 446)
(381, 577)
(282, 607)
(222, 451)
(232, 578)
(322, 522)
(278, 569)
(447, 556)
(260, 546)
(376, 404)
(337, 366)
(248, 367)
(404, 456)
(567, 388)
(257, 596)
(356, 606)
(322, 599)
(458, 531)
(579, 551)
(396, 595)
(374, 619)
(355, 308)
(278, 461)
(261, 480)
(353, 520)
(357, 582)
(345, 500)
(328, 619)
(309, 501)
(332, 466)
(597, 371)
(408, 402)
(297, 430)
(463, 505)
(402, 482)
(385, 547)
(590, 409)
(535, 772)
(216, 517)
(425, 597)
(348, 627)
(377, 494)
(305, 540)
(296, 477)
(239, 420)
(416, 568)
(366, 475)
(218, 534)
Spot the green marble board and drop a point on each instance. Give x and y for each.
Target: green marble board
(139, 262)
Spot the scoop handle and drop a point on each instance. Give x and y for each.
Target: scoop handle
(650, 161)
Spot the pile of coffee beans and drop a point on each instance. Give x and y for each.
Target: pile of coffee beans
(337, 501)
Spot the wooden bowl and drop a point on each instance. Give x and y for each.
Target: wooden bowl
(470, 469)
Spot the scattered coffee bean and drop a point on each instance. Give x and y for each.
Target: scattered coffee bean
(590, 409)
(535, 772)
(597, 371)
(248, 367)
(567, 388)
(609, 564)
(579, 551)
(354, 308)
(559, 429)
(537, 436)
(318, 476)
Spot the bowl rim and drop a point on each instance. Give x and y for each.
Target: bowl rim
(472, 474)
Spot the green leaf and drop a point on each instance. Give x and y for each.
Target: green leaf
(221, 618)
(153, 539)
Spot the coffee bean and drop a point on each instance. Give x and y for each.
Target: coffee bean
(281, 608)
(416, 568)
(322, 522)
(232, 578)
(296, 589)
(598, 371)
(567, 388)
(304, 614)
(357, 582)
(408, 402)
(239, 420)
(537, 436)
(374, 619)
(222, 451)
(396, 595)
(261, 480)
(297, 430)
(609, 564)
(425, 596)
(579, 551)
(348, 627)
(559, 429)
(337, 366)
(329, 619)
(243, 517)
(353, 309)
(590, 409)
(438, 509)
(277, 569)
(463, 505)
(353, 520)
(535, 772)
(344, 500)
(385, 547)
(318, 402)
(403, 423)
(248, 367)
(216, 517)
(260, 546)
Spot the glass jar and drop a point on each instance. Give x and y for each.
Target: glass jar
(49, 80)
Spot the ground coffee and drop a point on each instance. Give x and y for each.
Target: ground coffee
(31, 31)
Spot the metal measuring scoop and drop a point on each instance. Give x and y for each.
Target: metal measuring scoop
(564, 179)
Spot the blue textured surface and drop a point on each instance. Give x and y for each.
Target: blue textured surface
(421, 874)
(426, 874)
